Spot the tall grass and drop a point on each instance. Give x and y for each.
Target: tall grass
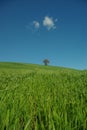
(41, 99)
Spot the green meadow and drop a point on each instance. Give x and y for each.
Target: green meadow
(37, 97)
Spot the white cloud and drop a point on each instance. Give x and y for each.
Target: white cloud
(49, 23)
(36, 24)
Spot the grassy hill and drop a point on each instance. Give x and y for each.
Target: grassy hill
(21, 66)
(36, 97)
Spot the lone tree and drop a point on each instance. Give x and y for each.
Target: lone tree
(46, 62)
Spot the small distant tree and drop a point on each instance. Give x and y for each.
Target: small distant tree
(46, 62)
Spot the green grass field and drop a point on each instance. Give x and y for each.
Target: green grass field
(35, 97)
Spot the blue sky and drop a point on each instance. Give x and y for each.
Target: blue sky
(32, 30)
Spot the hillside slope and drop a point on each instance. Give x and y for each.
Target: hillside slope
(15, 65)
(35, 97)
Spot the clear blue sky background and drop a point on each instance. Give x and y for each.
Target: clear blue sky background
(22, 41)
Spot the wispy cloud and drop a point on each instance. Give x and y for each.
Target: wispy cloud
(49, 23)
(33, 26)
(36, 24)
